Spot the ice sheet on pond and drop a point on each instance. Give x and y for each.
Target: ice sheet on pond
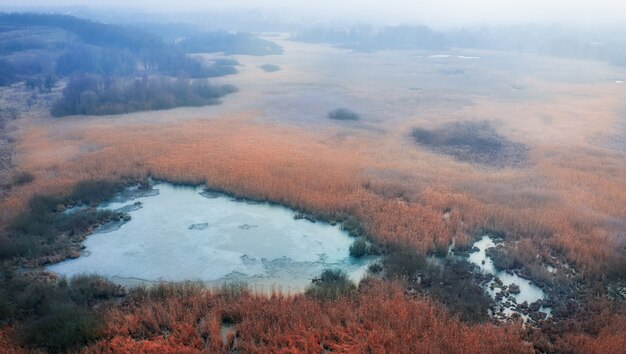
(179, 234)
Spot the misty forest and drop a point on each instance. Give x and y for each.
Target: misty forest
(268, 177)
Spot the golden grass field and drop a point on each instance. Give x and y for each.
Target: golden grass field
(569, 197)
(564, 206)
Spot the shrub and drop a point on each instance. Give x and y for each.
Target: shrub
(343, 114)
(359, 248)
(375, 268)
(352, 226)
(455, 285)
(62, 328)
(43, 230)
(474, 142)
(89, 192)
(48, 222)
(88, 289)
(234, 289)
(16, 246)
(441, 249)
(55, 316)
(404, 262)
(270, 68)
(23, 178)
(331, 284)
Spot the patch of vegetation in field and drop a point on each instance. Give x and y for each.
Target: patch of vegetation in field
(331, 284)
(473, 142)
(360, 247)
(22, 178)
(343, 114)
(45, 233)
(454, 283)
(57, 316)
(45, 312)
(270, 68)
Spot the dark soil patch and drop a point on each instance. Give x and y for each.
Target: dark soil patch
(473, 142)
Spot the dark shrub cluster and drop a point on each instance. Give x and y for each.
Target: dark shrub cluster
(44, 229)
(331, 284)
(94, 192)
(503, 259)
(55, 316)
(360, 247)
(474, 142)
(60, 328)
(352, 226)
(458, 287)
(22, 178)
(404, 262)
(455, 284)
(343, 114)
(270, 68)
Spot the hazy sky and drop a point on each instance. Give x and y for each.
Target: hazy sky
(427, 11)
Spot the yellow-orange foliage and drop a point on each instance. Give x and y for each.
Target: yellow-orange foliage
(381, 319)
(610, 339)
(8, 344)
(570, 200)
(563, 200)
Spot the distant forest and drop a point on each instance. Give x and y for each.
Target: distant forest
(370, 38)
(229, 43)
(41, 44)
(115, 69)
(546, 40)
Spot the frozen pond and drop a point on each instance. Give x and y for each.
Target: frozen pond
(181, 233)
(528, 292)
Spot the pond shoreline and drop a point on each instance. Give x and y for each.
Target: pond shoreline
(180, 215)
(354, 228)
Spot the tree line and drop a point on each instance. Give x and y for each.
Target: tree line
(101, 95)
(67, 45)
(608, 46)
